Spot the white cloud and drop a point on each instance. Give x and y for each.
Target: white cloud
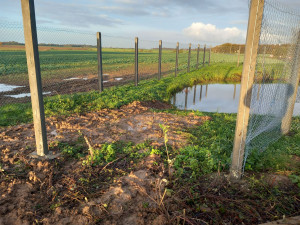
(211, 34)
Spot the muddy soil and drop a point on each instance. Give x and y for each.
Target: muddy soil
(57, 191)
(127, 190)
(81, 83)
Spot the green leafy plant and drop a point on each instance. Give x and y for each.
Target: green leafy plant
(106, 153)
(295, 179)
(195, 161)
(71, 151)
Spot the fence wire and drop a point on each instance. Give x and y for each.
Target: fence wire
(275, 77)
(68, 60)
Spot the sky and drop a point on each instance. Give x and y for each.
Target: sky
(197, 21)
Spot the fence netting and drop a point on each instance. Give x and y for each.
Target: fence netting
(68, 60)
(275, 81)
(69, 65)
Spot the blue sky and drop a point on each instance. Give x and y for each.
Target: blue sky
(197, 21)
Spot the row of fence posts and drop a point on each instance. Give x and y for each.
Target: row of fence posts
(136, 68)
(34, 73)
(33, 64)
(136, 60)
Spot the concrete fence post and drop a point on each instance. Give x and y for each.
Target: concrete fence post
(99, 55)
(136, 68)
(252, 43)
(34, 73)
(159, 59)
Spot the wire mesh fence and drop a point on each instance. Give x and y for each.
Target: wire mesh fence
(276, 78)
(68, 60)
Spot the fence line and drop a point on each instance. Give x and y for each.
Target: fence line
(77, 63)
(85, 62)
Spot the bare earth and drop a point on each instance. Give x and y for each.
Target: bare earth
(49, 192)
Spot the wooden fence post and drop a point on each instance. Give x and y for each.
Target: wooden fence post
(34, 73)
(293, 86)
(159, 59)
(204, 49)
(136, 61)
(99, 54)
(189, 58)
(198, 50)
(239, 52)
(176, 62)
(252, 42)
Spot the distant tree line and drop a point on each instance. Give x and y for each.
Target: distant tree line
(271, 50)
(11, 43)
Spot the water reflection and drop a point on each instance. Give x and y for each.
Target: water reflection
(224, 98)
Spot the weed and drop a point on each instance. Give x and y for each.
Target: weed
(165, 130)
(295, 179)
(195, 161)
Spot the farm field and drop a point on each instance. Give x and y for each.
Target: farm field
(59, 63)
(67, 70)
(65, 63)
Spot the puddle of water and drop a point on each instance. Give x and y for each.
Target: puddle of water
(106, 74)
(76, 78)
(105, 81)
(22, 95)
(119, 78)
(7, 87)
(224, 98)
(73, 78)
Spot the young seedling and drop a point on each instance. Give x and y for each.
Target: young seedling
(165, 130)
